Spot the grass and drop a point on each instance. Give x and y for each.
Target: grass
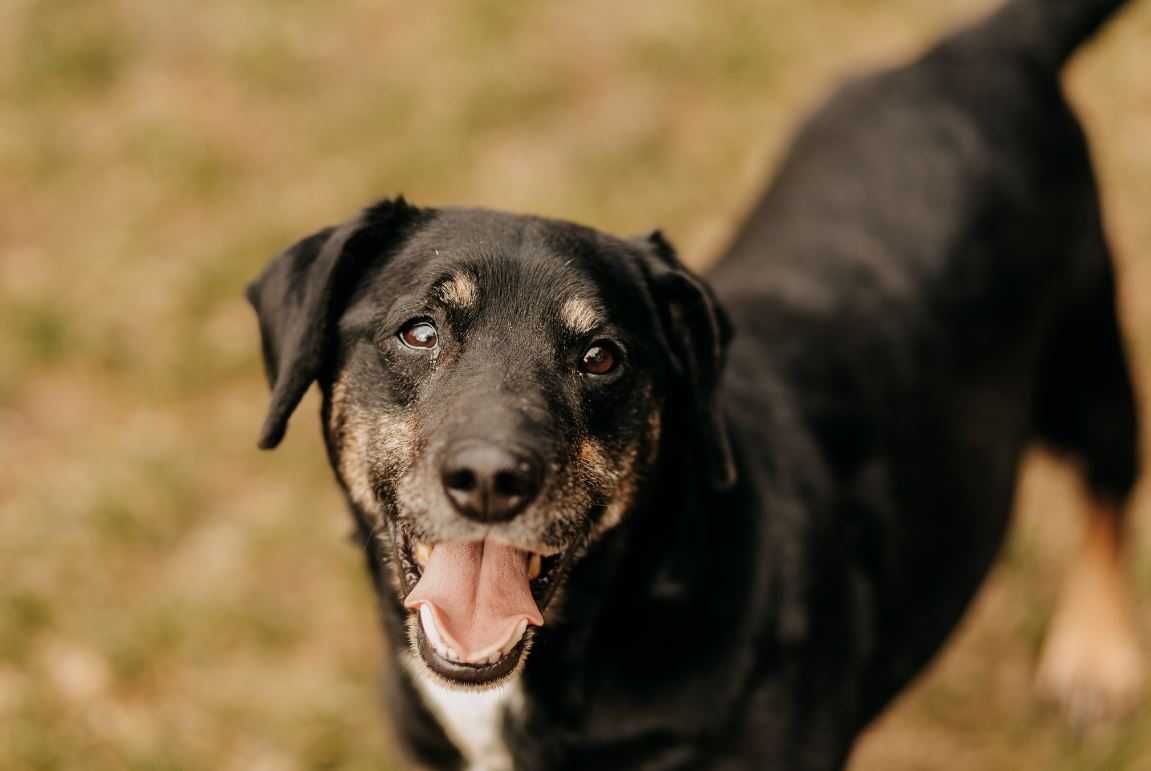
(173, 599)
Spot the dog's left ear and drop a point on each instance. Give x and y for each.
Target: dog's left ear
(294, 299)
(696, 334)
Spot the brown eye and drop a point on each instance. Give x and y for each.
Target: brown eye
(421, 335)
(601, 358)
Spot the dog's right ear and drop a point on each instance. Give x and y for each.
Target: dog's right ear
(697, 332)
(295, 300)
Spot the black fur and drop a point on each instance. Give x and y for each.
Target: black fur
(924, 289)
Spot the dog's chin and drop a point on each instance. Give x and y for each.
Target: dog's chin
(502, 660)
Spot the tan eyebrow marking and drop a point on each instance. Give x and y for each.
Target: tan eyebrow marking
(459, 290)
(579, 315)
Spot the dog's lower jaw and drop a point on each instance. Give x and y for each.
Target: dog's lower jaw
(463, 678)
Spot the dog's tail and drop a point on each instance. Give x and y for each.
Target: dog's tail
(1048, 31)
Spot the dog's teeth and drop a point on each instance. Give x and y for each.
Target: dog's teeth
(423, 554)
(514, 640)
(432, 632)
(535, 564)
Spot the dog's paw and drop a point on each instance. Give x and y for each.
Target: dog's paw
(1092, 665)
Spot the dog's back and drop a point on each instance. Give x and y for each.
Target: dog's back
(929, 270)
(929, 276)
(975, 131)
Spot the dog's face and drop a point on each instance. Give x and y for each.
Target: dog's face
(495, 395)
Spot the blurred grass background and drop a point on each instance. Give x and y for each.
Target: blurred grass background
(172, 599)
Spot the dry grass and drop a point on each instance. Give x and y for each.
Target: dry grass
(171, 599)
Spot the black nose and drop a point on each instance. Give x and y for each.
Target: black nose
(487, 482)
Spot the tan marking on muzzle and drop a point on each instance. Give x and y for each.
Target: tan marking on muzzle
(616, 478)
(347, 429)
(366, 441)
(654, 428)
(594, 460)
(396, 441)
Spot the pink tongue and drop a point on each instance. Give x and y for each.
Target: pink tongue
(479, 593)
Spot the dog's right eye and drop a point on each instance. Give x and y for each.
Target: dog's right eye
(420, 334)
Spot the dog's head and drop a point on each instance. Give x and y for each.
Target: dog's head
(496, 387)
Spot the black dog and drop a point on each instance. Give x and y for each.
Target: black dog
(603, 537)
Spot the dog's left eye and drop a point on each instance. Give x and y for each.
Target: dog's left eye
(601, 358)
(419, 334)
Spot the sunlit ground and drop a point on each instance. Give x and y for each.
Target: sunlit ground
(172, 599)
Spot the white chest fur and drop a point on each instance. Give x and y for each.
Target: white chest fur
(473, 720)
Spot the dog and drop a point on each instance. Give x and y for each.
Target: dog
(621, 516)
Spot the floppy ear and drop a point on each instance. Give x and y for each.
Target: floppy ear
(294, 299)
(696, 332)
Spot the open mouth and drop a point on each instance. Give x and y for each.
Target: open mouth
(475, 604)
